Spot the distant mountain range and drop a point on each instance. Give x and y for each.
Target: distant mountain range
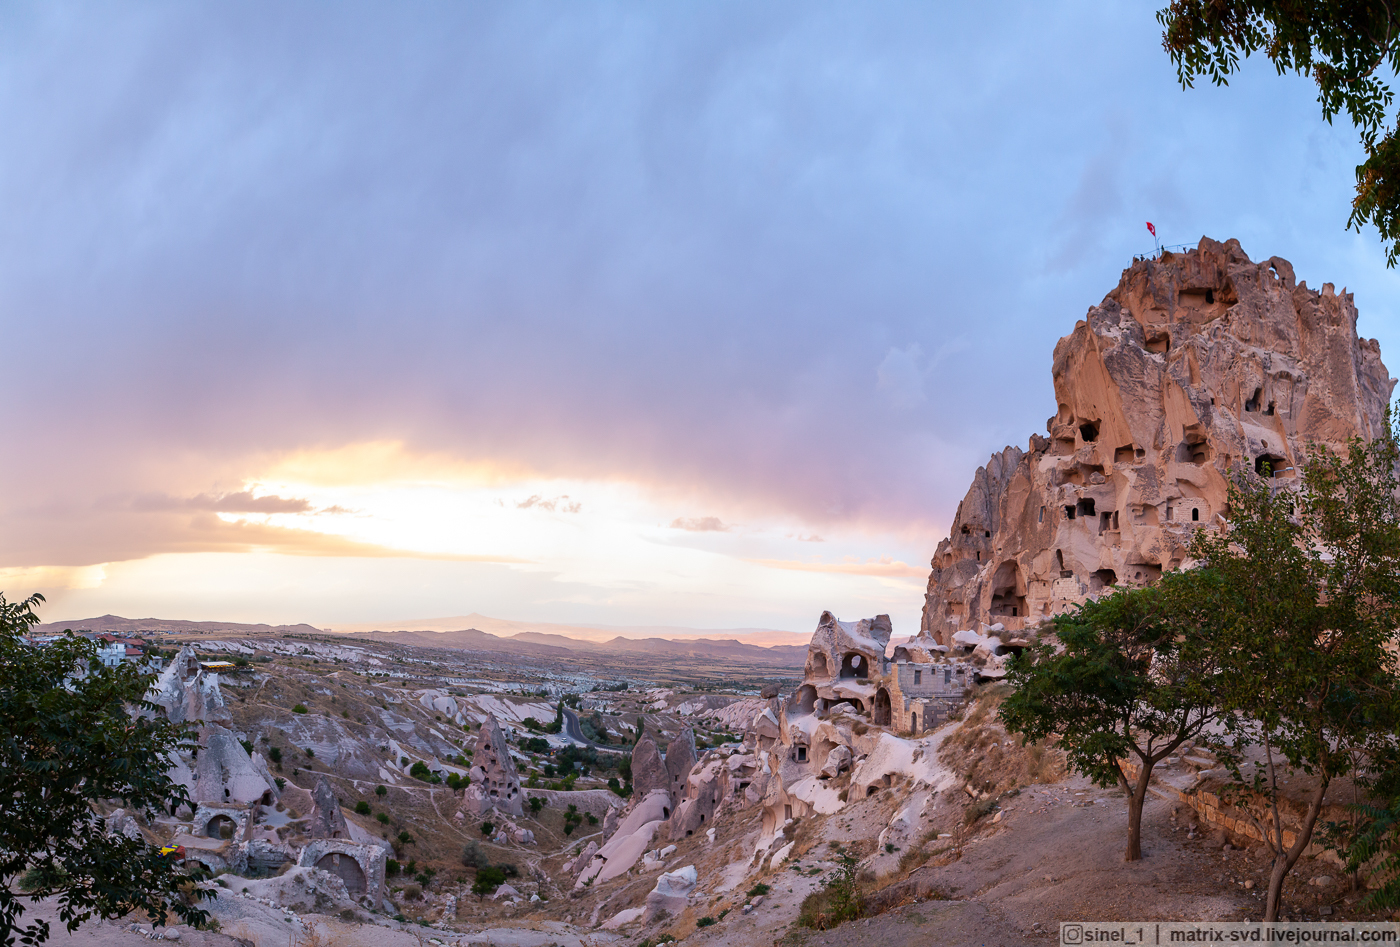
(543, 645)
(522, 638)
(117, 625)
(506, 628)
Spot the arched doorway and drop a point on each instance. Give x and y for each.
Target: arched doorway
(346, 869)
(881, 709)
(221, 826)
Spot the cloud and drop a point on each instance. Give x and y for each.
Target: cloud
(560, 504)
(700, 524)
(901, 374)
(241, 502)
(884, 567)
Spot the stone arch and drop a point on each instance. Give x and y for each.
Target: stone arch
(855, 664)
(220, 827)
(347, 869)
(914, 723)
(881, 713)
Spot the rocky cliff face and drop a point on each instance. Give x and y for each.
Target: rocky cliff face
(1197, 362)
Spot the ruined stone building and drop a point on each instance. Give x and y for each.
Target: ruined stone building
(1197, 364)
(910, 691)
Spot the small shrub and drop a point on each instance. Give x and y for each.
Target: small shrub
(281, 783)
(487, 828)
(592, 819)
(362, 808)
(705, 921)
(383, 818)
(381, 791)
(310, 753)
(536, 804)
(978, 810)
(568, 828)
(405, 838)
(759, 890)
(474, 857)
(837, 901)
(391, 867)
(299, 709)
(412, 892)
(487, 881)
(419, 770)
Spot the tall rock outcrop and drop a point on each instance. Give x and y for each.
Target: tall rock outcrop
(1197, 362)
(495, 782)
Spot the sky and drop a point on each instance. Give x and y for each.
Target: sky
(694, 314)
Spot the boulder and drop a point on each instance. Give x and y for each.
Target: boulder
(837, 760)
(671, 894)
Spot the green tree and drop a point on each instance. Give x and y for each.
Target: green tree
(1342, 44)
(1308, 606)
(1131, 680)
(67, 740)
(488, 879)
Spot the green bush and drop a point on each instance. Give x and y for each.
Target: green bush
(838, 901)
(419, 770)
(381, 791)
(299, 709)
(487, 828)
(705, 921)
(391, 867)
(536, 804)
(474, 857)
(383, 818)
(759, 890)
(362, 808)
(487, 881)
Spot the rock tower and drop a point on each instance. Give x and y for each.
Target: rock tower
(495, 783)
(1196, 363)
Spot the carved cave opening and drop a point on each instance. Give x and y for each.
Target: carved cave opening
(854, 664)
(880, 711)
(1089, 430)
(819, 666)
(806, 698)
(1269, 465)
(1102, 579)
(1085, 507)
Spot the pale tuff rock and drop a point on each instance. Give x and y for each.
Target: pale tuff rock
(188, 694)
(326, 821)
(224, 773)
(700, 797)
(609, 823)
(495, 783)
(634, 833)
(671, 894)
(1196, 363)
(580, 861)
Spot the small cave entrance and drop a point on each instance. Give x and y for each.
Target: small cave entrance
(819, 665)
(1269, 465)
(1102, 579)
(346, 869)
(806, 698)
(1159, 341)
(221, 827)
(1194, 451)
(1252, 403)
(854, 664)
(1089, 430)
(1005, 584)
(1126, 454)
(880, 713)
(1085, 507)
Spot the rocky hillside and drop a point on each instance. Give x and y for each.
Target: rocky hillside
(1197, 363)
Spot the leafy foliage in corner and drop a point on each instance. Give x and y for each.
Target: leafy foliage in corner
(1342, 44)
(67, 740)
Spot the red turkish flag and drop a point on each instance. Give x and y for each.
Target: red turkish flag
(1151, 229)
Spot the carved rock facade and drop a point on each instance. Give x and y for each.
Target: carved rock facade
(1196, 363)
